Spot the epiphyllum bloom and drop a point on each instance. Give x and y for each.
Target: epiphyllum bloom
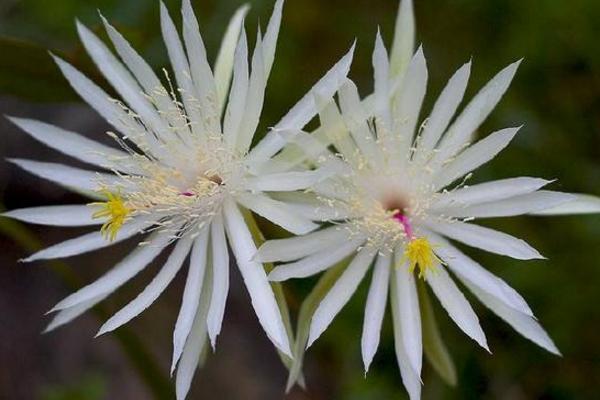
(402, 196)
(180, 175)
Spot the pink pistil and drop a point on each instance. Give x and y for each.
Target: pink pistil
(405, 222)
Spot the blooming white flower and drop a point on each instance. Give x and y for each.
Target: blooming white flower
(402, 195)
(183, 170)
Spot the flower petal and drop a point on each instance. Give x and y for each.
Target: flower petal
(301, 113)
(455, 304)
(220, 261)
(89, 242)
(224, 62)
(339, 294)
(153, 290)
(191, 295)
(237, 95)
(517, 205)
(489, 191)
(486, 239)
(468, 270)
(474, 114)
(130, 266)
(195, 345)
(375, 308)
(522, 323)
(443, 110)
(55, 215)
(255, 279)
(75, 145)
(315, 263)
(69, 314)
(408, 105)
(411, 380)
(276, 212)
(582, 204)
(404, 39)
(297, 247)
(69, 177)
(474, 157)
(409, 313)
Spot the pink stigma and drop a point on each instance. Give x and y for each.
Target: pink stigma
(188, 194)
(405, 222)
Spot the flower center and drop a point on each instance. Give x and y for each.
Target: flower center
(116, 212)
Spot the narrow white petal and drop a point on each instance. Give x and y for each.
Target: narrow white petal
(309, 206)
(468, 270)
(375, 309)
(339, 294)
(356, 120)
(237, 95)
(486, 239)
(444, 108)
(181, 69)
(270, 42)
(301, 113)
(195, 344)
(489, 191)
(75, 145)
(297, 247)
(153, 290)
(191, 295)
(121, 80)
(255, 278)
(146, 78)
(409, 314)
(130, 266)
(315, 263)
(404, 39)
(224, 62)
(411, 380)
(69, 314)
(524, 324)
(517, 205)
(475, 113)
(199, 67)
(455, 304)
(220, 260)
(254, 100)
(69, 177)
(100, 101)
(287, 181)
(55, 215)
(277, 212)
(381, 73)
(89, 242)
(474, 157)
(335, 128)
(582, 204)
(408, 103)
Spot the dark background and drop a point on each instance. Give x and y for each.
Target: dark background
(556, 95)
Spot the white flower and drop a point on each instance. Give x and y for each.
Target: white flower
(182, 172)
(402, 194)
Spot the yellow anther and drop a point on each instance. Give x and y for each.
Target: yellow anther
(116, 212)
(419, 252)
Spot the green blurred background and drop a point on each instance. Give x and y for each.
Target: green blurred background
(556, 95)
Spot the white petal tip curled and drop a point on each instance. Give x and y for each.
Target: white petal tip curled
(276, 275)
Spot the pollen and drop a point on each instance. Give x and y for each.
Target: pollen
(419, 253)
(116, 213)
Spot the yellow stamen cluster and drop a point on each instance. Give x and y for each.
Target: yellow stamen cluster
(116, 213)
(419, 252)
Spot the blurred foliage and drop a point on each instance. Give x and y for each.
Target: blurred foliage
(556, 94)
(91, 387)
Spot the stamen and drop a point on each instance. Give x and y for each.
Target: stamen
(115, 210)
(419, 253)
